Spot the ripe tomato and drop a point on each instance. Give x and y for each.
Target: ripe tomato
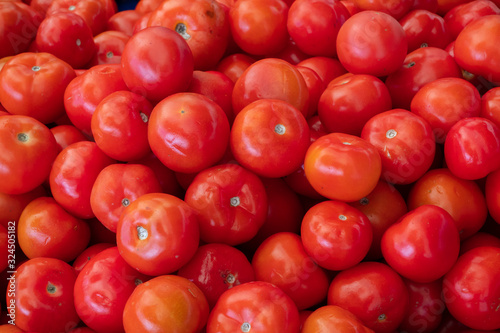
(327, 68)
(257, 307)
(28, 151)
(33, 84)
(424, 29)
(92, 11)
(234, 65)
(165, 176)
(396, 9)
(109, 47)
(490, 105)
(336, 161)
(18, 28)
(124, 21)
(12, 205)
(315, 86)
(461, 15)
(86, 255)
(479, 239)
(167, 302)
(157, 234)
(333, 319)
(471, 289)
(66, 135)
(160, 71)
(188, 132)
(371, 42)
(270, 137)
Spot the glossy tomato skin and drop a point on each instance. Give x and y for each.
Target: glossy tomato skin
(472, 148)
(28, 151)
(86, 255)
(371, 42)
(396, 9)
(160, 71)
(43, 296)
(188, 132)
(234, 65)
(283, 261)
(336, 161)
(326, 67)
(460, 16)
(124, 21)
(255, 307)
(216, 268)
(93, 12)
(479, 239)
(33, 84)
(165, 176)
(471, 288)
(236, 207)
(333, 319)
(102, 289)
(490, 105)
(492, 194)
(315, 86)
(109, 47)
(157, 234)
(66, 135)
(424, 28)
(167, 301)
(373, 292)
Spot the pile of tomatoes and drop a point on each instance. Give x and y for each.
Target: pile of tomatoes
(250, 166)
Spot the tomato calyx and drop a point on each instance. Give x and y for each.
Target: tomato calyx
(234, 201)
(23, 137)
(142, 233)
(390, 134)
(125, 202)
(181, 29)
(51, 289)
(246, 327)
(280, 129)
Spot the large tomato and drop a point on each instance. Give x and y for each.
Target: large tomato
(462, 15)
(424, 29)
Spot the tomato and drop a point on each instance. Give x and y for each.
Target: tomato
(444, 6)
(41, 294)
(396, 9)
(28, 151)
(283, 261)
(167, 302)
(374, 293)
(33, 84)
(124, 21)
(421, 66)
(119, 125)
(430, 5)
(463, 199)
(92, 11)
(9, 328)
(337, 236)
(472, 148)
(349, 101)
(18, 28)
(333, 319)
(146, 6)
(255, 307)
(471, 289)
(203, 24)
(336, 161)
(477, 240)
(165, 176)
(234, 65)
(102, 288)
(235, 208)
(461, 15)
(73, 174)
(157, 233)
(259, 27)
(12, 205)
(109, 45)
(327, 68)
(270, 137)
(86, 255)
(315, 86)
(67, 36)
(475, 48)
(492, 194)
(66, 135)
(188, 132)
(216, 268)
(424, 28)
(160, 71)
(490, 105)
(371, 42)
(116, 187)
(271, 78)
(311, 23)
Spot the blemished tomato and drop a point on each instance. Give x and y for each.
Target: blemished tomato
(283, 261)
(188, 132)
(41, 293)
(33, 84)
(471, 289)
(333, 319)
(270, 137)
(460, 16)
(28, 151)
(336, 235)
(216, 268)
(257, 307)
(374, 293)
(158, 233)
(166, 302)
(336, 161)
(159, 71)
(371, 42)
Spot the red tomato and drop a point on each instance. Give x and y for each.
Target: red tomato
(301, 185)
(216, 268)
(327, 68)
(472, 148)
(270, 137)
(471, 289)
(124, 21)
(12, 205)
(477, 240)
(66, 135)
(28, 151)
(146, 6)
(490, 105)
(110, 45)
(33, 84)
(371, 42)
(41, 293)
(102, 288)
(119, 125)
(336, 161)
(9, 328)
(166, 302)
(257, 307)
(165, 176)
(92, 11)
(350, 101)
(424, 28)
(86, 255)
(430, 5)
(283, 261)
(203, 24)
(18, 28)
(374, 293)
(157, 234)
(333, 319)
(444, 6)
(160, 71)
(73, 174)
(188, 132)
(396, 9)
(463, 199)
(116, 187)
(234, 65)
(236, 207)
(315, 86)
(492, 192)
(461, 15)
